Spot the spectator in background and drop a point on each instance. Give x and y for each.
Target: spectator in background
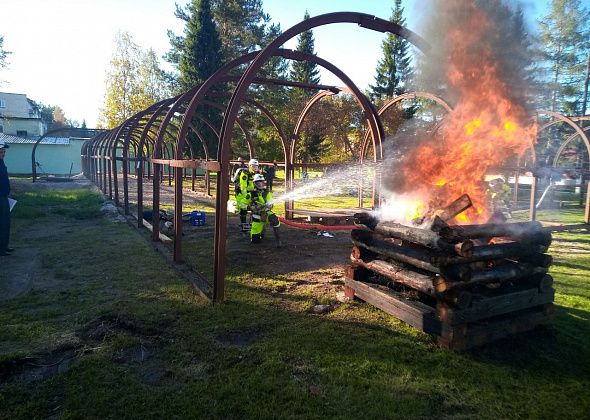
(5, 250)
(304, 175)
(270, 174)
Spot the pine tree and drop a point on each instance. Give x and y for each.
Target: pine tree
(394, 70)
(242, 27)
(565, 34)
(305, 71)
(310, 145)
(201, 52)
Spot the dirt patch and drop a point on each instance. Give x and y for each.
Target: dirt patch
(308, 263)
(20, 272)
(239, 338)
(77, 181)
(106, 326)
(136, 354)
(32, 369)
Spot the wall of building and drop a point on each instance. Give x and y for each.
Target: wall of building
(55, 159)
(33, 127)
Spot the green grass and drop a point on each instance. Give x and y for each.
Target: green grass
(104, 292)
(78, 204)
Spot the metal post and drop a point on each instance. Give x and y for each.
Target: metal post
(533, 206)
(178, 172)
(587, 212)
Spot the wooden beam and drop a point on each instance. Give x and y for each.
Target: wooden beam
(414, 313)
(492, 306)
(165, 239)
(210, 165)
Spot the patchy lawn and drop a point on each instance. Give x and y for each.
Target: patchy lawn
(93, 323)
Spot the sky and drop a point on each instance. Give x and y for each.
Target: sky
(61, 49)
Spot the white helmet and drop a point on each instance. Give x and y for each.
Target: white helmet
(253, 162)
(259, 177)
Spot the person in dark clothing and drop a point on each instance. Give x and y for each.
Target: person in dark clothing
(4, 206)
(270, 174)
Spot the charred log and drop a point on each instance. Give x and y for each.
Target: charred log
(397, 273)
(456, 207)
(416, 235)
(492, 252)
(417, 257)
(520, 231)
(500, 274)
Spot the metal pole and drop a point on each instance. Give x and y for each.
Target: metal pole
(533, 206)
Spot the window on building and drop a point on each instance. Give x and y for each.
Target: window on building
(21, 133)
(1, 129)
(2, 103)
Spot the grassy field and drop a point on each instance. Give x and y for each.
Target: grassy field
(108, 330)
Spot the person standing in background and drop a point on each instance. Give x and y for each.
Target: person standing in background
(4, 205)
(270, 174)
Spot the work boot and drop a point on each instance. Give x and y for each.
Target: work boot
(277, 237)
(245, 228)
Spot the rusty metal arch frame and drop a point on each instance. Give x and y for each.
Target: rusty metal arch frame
(121, 135)
(144, 140)
(200, 93)
(369, 110)
(408, 95)
(106, 146)
(364, 20)
(566, 142)
(390, 103)
(559, 118)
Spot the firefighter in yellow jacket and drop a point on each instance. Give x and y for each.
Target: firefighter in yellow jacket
(499, 194)
(244, 180)
(261, 206)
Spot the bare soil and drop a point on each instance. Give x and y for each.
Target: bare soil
(308, 263)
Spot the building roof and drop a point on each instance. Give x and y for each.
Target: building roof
(60, 141)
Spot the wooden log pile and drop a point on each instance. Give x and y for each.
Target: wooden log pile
(466, 285)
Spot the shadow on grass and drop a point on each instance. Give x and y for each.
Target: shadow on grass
(558, 349)
(570, 265)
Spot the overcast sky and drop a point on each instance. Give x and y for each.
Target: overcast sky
(61, 48)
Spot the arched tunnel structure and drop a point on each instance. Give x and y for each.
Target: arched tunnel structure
(194, 132)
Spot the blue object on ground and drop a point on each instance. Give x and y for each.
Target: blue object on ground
(197, 218)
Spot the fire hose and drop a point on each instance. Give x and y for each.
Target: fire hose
(317, 227)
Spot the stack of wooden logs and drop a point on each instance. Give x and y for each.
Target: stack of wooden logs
(467, 285)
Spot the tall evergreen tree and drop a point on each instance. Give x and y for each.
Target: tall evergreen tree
(242, 27)
(305, 71)
(201, 52)
(394, 70)
(565, 34)
(311, 142)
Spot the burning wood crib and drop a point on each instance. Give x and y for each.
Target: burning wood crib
(466, 285)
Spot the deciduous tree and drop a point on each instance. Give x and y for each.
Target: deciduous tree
(134, 81)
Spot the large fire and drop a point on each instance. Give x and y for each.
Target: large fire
(488, 123)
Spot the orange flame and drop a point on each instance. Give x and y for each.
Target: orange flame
(486, 126)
